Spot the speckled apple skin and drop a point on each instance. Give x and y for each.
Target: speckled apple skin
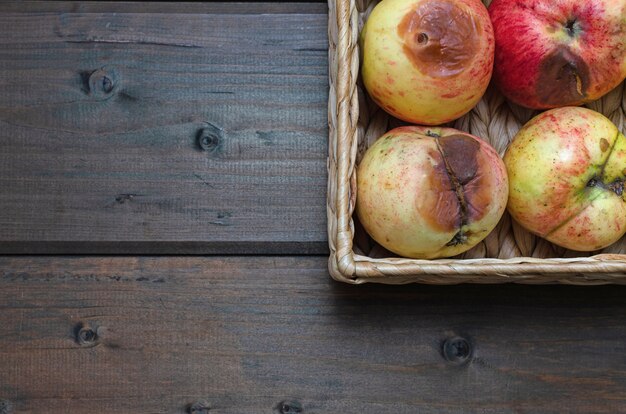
(533, 39)
(551, 163)
(406, 200)
(428, 92)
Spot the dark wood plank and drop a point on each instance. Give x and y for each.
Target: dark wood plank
(246, 333)
(100, 115)
(39, 6)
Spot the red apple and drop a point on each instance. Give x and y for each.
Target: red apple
(427, 61)
(566, 172)
(552, 53)
(430, 192)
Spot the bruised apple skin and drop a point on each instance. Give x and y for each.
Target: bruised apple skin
(558, 52)
(566, 172)
(430, 192)
(427, 61)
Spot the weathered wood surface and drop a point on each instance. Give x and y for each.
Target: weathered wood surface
(245, 334)
(245, 7)
(101, 114)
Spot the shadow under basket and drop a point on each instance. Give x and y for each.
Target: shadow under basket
(509, 254)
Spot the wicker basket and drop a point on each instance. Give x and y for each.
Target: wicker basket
(508, 254)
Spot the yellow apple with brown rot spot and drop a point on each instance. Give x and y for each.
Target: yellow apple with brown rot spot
(427, 61)
(566, 171)
(428, 192)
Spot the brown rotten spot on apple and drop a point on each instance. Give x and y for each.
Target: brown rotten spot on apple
(447, 215)
(604, 144)
(563, 78)
(440, 38)
(462, 198)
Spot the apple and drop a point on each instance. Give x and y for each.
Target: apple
(558, 52)
(430, 192)
(427, 61)
(566, 171)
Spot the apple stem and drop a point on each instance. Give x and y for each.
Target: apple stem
(593, 182)
(572, 27)
(616, 186)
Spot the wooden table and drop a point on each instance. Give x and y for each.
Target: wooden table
(162, 206)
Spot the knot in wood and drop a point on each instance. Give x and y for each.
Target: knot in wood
(102, 82)
(209, 138)
(289, 407)
(86, 335)
(199, 407)
(457, 350)
(6, 407)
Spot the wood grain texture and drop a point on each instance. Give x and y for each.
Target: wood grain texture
(247, 7)
(246, 333)
(100, 115)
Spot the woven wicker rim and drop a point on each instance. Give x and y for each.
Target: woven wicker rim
(346, 138)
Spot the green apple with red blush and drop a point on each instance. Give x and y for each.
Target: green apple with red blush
(558, 53)
(428, 192)
(427, 61)
(566, 170)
